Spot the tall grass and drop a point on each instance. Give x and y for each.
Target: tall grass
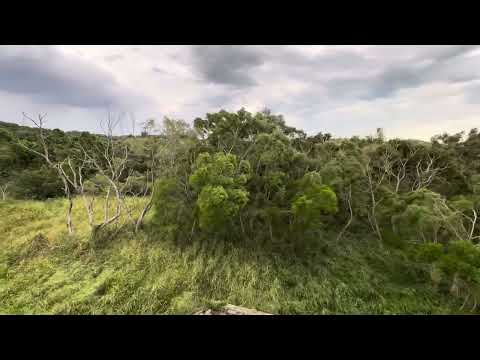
(45, 271)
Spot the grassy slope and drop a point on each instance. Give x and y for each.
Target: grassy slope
(148, 275)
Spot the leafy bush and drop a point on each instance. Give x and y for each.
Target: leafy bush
(38, 184)
(170, 205)
(219, 179)
(313, 202)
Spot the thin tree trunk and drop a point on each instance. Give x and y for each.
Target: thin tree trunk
(97, 228)
(372, 215)
(270, 229)
(465, 302)
(69, 215)
(107, 198)
(474, 221)
(349, 196)
(144, 212)
(66, 189)
(423, 237)
(241, 224)
(89, 207)
(454, 289)
(193, 228)
(397, 187)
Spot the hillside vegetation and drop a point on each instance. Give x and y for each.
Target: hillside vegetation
(240, 209)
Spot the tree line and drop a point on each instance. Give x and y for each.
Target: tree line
(251, 178)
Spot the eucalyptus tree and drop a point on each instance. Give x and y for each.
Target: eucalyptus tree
(219, 180)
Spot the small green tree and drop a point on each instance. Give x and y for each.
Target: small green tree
(313, 202)
(173, 213)
(217, 206)
(219, 181)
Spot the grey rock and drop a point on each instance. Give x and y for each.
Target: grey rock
(232, 310)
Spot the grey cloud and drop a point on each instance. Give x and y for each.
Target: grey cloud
(47, 75)
(336, 76)
(443, 52)
(227, 65)
(337, 59)
(288, 79)
(113, 57)
(458, 69)
(472, 93)
(159, 70)
(340, 60)
(219, 101)
(415, 53)
(425, 66)
(388, 82)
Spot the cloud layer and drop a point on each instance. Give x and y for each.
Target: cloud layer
(47, 75)
(410, 91)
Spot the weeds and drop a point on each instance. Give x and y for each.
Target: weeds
(45, 271)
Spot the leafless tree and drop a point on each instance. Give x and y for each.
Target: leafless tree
(58, 166)
(375, 179)
(450, 219)
(149, 187)
(472, 219)
(398, 167)
(110, 160)
(76, 179)
(372, 217)
(426, 170)
(172, 153)
(134, 122)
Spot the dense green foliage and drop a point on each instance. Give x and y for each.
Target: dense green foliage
(45, 271)
(26, 173)
(219, 181)
(249, 185)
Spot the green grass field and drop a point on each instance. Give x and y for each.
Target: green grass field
(45, 271)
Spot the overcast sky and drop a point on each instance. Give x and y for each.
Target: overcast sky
(410, 91)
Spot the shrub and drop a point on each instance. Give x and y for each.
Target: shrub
(313, 201)
(219, 179)
(37, 184)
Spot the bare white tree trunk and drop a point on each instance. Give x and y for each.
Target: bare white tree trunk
(4, 189)
(349, 202)
(372, 216)
(149, 184)
(111, 167)
(473, 223)
(440, 208)
(400, 173)
(107, 204)
(145, 210)
(69, 211)
(426, 173)
(54, 165)
(89, 208)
